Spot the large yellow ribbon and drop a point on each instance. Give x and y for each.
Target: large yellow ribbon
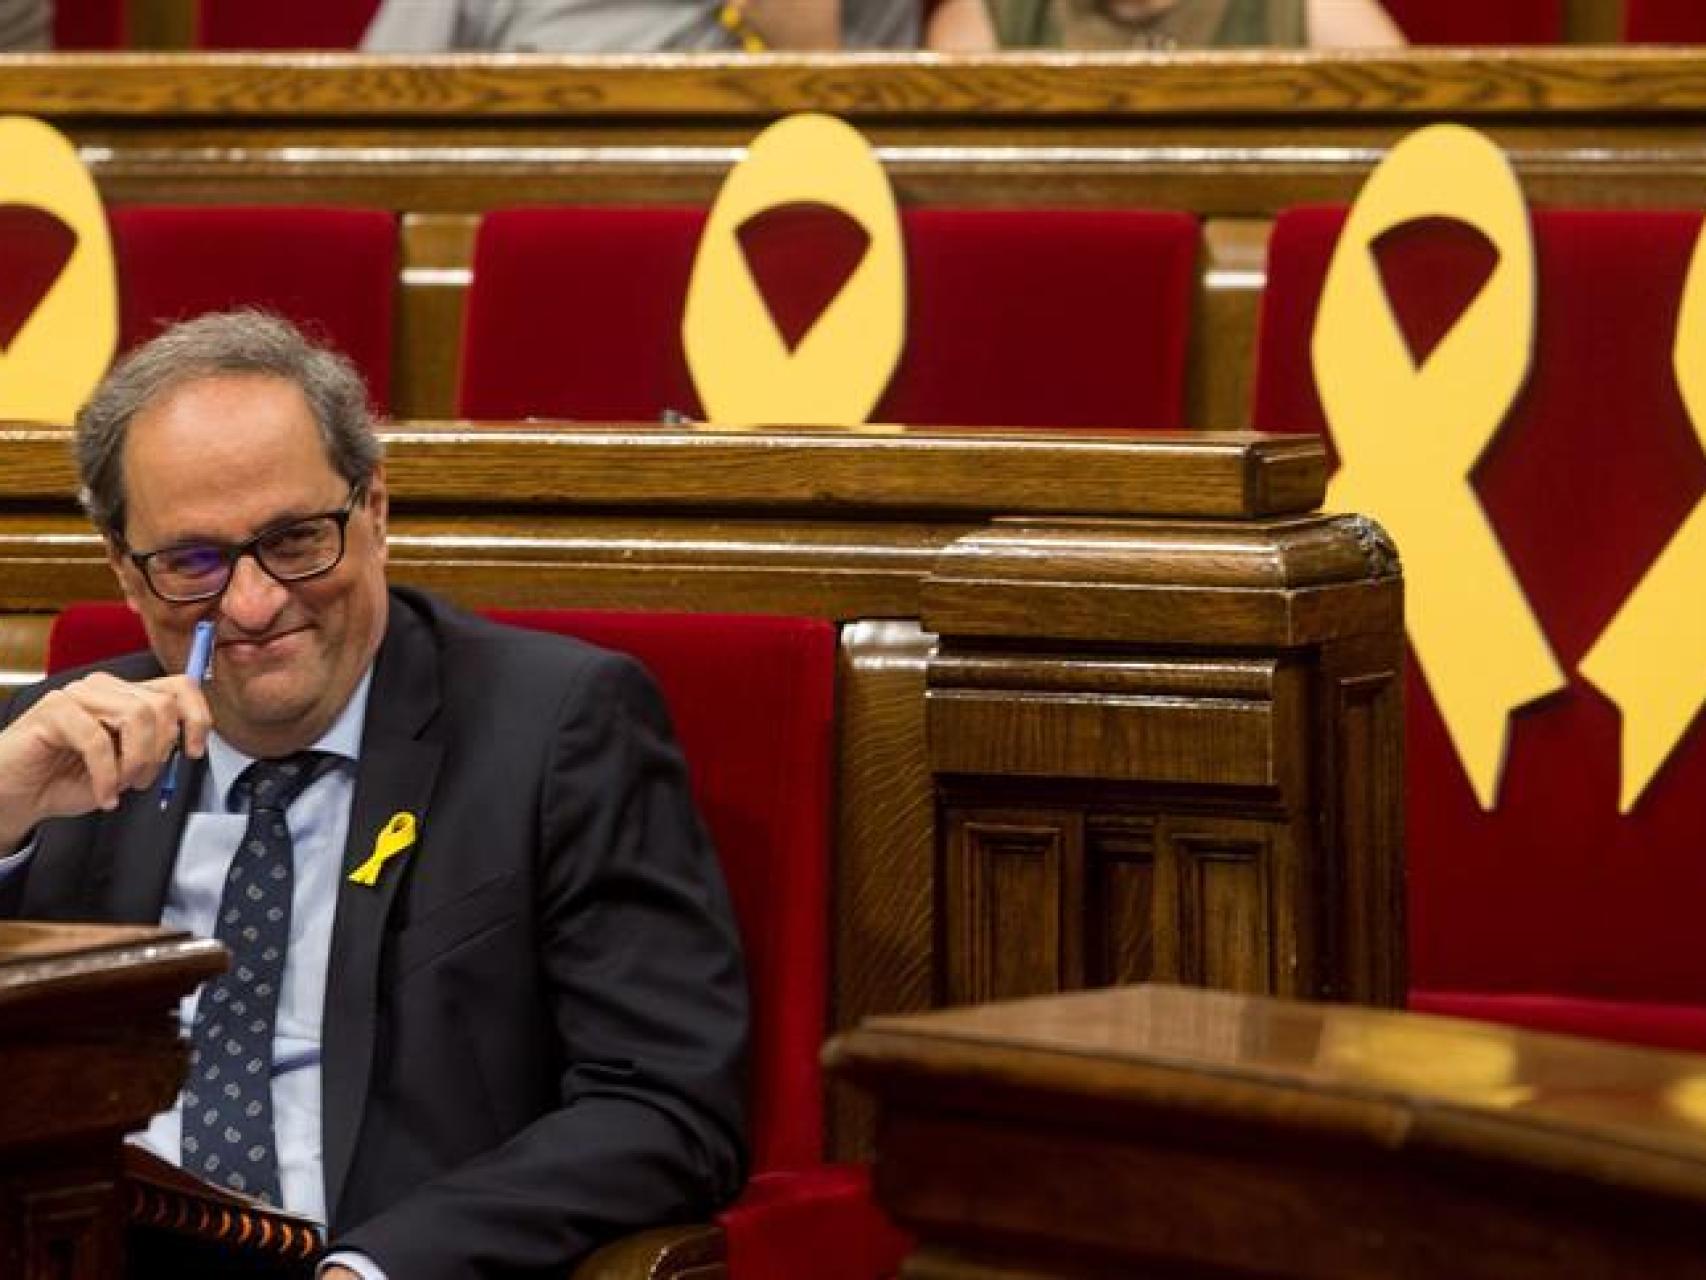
(1408, 436)
(741, 366)
(59, 354)
(1651, 659)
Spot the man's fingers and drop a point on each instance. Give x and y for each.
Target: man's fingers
(194, 716)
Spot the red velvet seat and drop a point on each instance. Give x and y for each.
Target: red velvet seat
(1551, 910)
(1476, 22)
(331, 271)
(1664, 21)
(753, 702)
(90, 24)
(301, 24)
(1016, 317)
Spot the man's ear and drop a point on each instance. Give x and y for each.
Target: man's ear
(126, 573)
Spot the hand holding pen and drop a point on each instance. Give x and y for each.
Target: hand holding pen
(200, 663)
(82, 744)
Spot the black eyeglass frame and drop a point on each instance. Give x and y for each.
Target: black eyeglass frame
(340, 518)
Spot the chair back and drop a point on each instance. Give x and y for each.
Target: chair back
(301, 24)
(1015, 317)
(331, 271)
(752, 698)
(1475, 22)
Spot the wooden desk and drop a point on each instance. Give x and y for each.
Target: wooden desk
(1163, 1131)
(89, 1049)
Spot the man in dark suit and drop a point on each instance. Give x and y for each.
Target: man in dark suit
(511, 1013)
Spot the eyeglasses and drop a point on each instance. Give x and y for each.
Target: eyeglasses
(291, 552)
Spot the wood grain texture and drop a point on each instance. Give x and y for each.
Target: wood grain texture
(1166, 1131)
(884, 917)
(89, 1049)
(1471, 83)
(1284, 583)
(963, 472)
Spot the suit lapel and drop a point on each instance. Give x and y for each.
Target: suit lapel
(396, 774)
(138, 845)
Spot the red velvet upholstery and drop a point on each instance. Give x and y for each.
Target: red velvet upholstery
(1478, 21)
(1664, 21)
(300, 24)
(1551, 910)
(753, 702)
(90, 24)
(332, 271)
(1016, 317)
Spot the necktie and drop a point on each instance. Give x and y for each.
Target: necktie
(227, 1102)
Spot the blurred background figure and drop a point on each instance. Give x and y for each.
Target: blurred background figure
(640, 26)
(1193, 24)
(26, 24)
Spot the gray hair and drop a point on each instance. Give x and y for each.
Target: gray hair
(227, 342)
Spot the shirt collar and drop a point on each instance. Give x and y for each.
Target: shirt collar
(225, 763)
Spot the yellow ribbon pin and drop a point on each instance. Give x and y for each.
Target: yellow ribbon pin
(1409, 436)
(743, 370)
(394, 838)
(1648, 660)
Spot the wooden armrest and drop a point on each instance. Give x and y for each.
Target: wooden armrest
(694, 1252)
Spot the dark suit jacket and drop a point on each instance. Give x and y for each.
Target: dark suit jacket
(535, 1022)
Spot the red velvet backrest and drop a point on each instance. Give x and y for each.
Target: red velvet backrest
(1594, 470)
(1074, 318)
(90, 24)
(752, 698)
(331, 271)
(1478, 21)
(1664, 21)
(298, 24)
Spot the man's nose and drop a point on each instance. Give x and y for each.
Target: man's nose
(253, 597)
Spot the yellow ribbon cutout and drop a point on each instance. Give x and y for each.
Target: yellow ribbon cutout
(741, 366)
(1409, 436)
(1651, 659)
(394, 838)
(58, 356)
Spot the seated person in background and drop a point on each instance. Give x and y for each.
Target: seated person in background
(521, 1033)
(1193, 24)
(640, 26)
(26, 24)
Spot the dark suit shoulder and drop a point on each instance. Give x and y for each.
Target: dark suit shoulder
(141, 665)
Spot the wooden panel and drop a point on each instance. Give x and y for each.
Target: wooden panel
(1102, 735)
(1120, 907)
(884, 917)
(1224, 323)
(1015, 881)
(1363, 696)
(438, 251)
(1218, 904)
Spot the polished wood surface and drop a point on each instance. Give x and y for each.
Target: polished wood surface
(1170, 1131)
(89, 1049)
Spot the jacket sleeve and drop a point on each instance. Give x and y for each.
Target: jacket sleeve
(647, 994)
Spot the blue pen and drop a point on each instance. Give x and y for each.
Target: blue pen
(201, 660)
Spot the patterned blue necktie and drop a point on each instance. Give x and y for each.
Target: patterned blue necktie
(227, 1101)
